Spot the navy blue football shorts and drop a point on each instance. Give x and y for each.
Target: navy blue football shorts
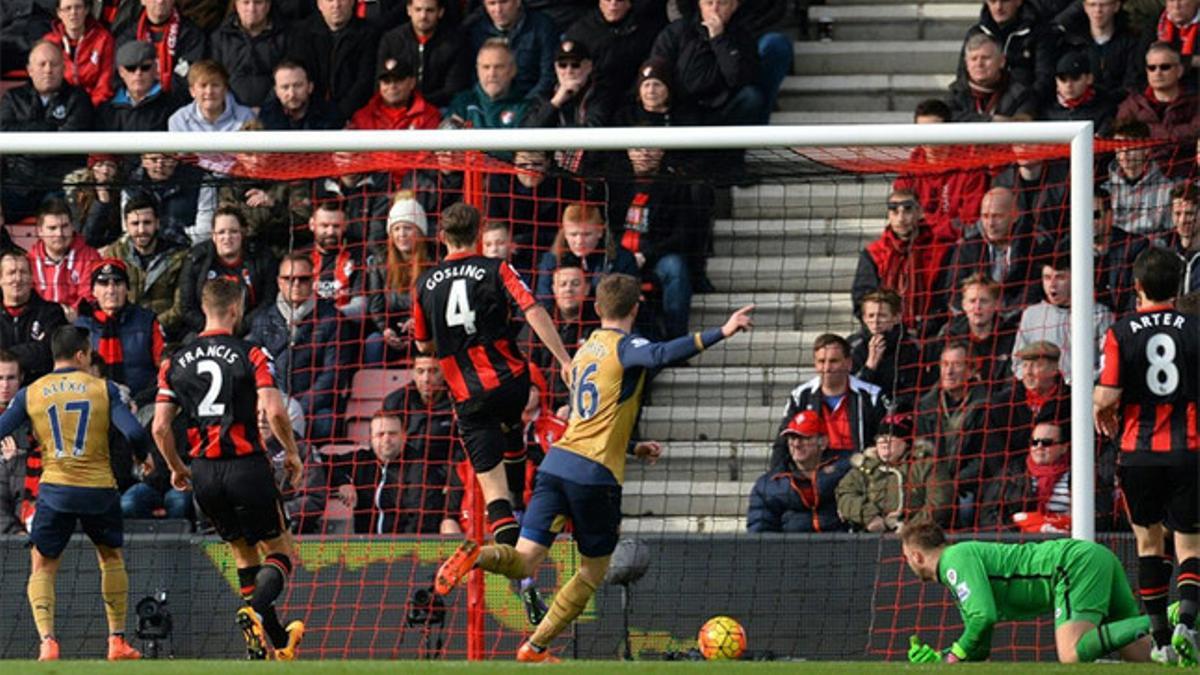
(60, 507)
(593, 510)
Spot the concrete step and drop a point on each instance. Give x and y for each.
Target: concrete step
(796, 236)
(810, 274)
(702, 423)
(686, 498)
(765, 348)
(877, 57)
(774, 311)
(767, 386)
(852, 198)
(940, 21)
(861, 92)
(891, 2)
(691, 525)
(802, 118)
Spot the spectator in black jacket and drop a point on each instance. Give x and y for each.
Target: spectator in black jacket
(849, 409)
(178, 43)
(249, 42)
(435, 45)
(1114, 251)
(531, 37)
(1004, 249)
(1041, 189)
(575, 318)
(577, 101)
(338, 50)
(531, 202)
(303, 504)
(304, 334)
(650, 214)
(716, 65)
(985, 91)
(228, 256)
(652, 104)
(1101, 30)
(1076, 97)
(140, 103)
(22, 23)
(619, 37)
(293, 106)
(185, 205)
(28, 320)
(397, 490)
(1027, 47)
(983, 328)
(46, 103)
(884, 353)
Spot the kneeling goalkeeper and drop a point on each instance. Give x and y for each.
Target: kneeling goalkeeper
(1095, 611)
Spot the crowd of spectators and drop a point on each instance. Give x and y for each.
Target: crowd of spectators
(933, 410)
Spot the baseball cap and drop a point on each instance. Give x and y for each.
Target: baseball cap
(110, 269)
(571, 50)
(135, 53)
(409, 210)
(396, 69)
(805, 423)
(1073, 63)
(1042, 349)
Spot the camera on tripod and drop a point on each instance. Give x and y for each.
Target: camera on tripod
(154, 625)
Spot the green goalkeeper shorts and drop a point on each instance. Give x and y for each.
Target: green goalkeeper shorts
(1093, 587)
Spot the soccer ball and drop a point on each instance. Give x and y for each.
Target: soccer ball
(722, 637)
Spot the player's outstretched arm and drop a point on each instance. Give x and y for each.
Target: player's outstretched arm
(539, 319)
(272, 401)
(164, 437)
(642, 352)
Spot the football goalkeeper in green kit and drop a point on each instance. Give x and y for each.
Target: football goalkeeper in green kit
(1095, 611)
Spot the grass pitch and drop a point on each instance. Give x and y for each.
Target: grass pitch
(184, 667)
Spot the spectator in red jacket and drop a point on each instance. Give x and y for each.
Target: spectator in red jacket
(949, 196)
(88, 49)
(904, 258)
(1165, 106)
(61, 260)
(396, 103)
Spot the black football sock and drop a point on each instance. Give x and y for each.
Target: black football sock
(514, 471)
(502, 523)
(246, 577)
(1189, 591)
(269, 586)
(1154, 583)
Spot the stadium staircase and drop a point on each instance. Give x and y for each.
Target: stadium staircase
(791, 248)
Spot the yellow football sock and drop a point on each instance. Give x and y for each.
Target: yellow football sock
(568, 602)
(501, 559)
(114, 588)
(41, 601)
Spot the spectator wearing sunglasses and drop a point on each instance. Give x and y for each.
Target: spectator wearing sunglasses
(576, 101)
(905, 259)
(1040, 484)
(141, 103)
(1166, 106)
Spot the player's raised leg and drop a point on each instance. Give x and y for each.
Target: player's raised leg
(41, 600)
(114, 589)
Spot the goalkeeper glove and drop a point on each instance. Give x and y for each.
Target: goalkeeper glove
(919, 652)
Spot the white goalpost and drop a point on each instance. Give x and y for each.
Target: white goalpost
(1078, 135)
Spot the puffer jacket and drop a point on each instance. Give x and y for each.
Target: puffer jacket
(249, 59)
(304, 361)
(778, 502)
(918, 488)
(533, 40)
(1028, 49)
(141, 343)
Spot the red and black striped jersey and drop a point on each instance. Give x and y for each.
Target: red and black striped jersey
(215, 381)
(341, 273)
(464, 306)
(1153, 356)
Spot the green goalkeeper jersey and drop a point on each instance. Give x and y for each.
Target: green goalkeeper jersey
(1003, 582)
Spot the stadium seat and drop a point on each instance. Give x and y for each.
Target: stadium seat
(370, 386)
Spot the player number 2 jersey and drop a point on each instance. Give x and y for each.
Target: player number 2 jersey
(1153, 356)
(215, 382)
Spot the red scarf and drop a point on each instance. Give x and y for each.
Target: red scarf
(1073, 103)
(903, 267)
(165, 47)
(1035, 401)
(1047, 476)
(109, 346)
(1182, 37)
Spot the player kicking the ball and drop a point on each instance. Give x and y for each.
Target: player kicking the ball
(581, 476)
(1095, 611)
